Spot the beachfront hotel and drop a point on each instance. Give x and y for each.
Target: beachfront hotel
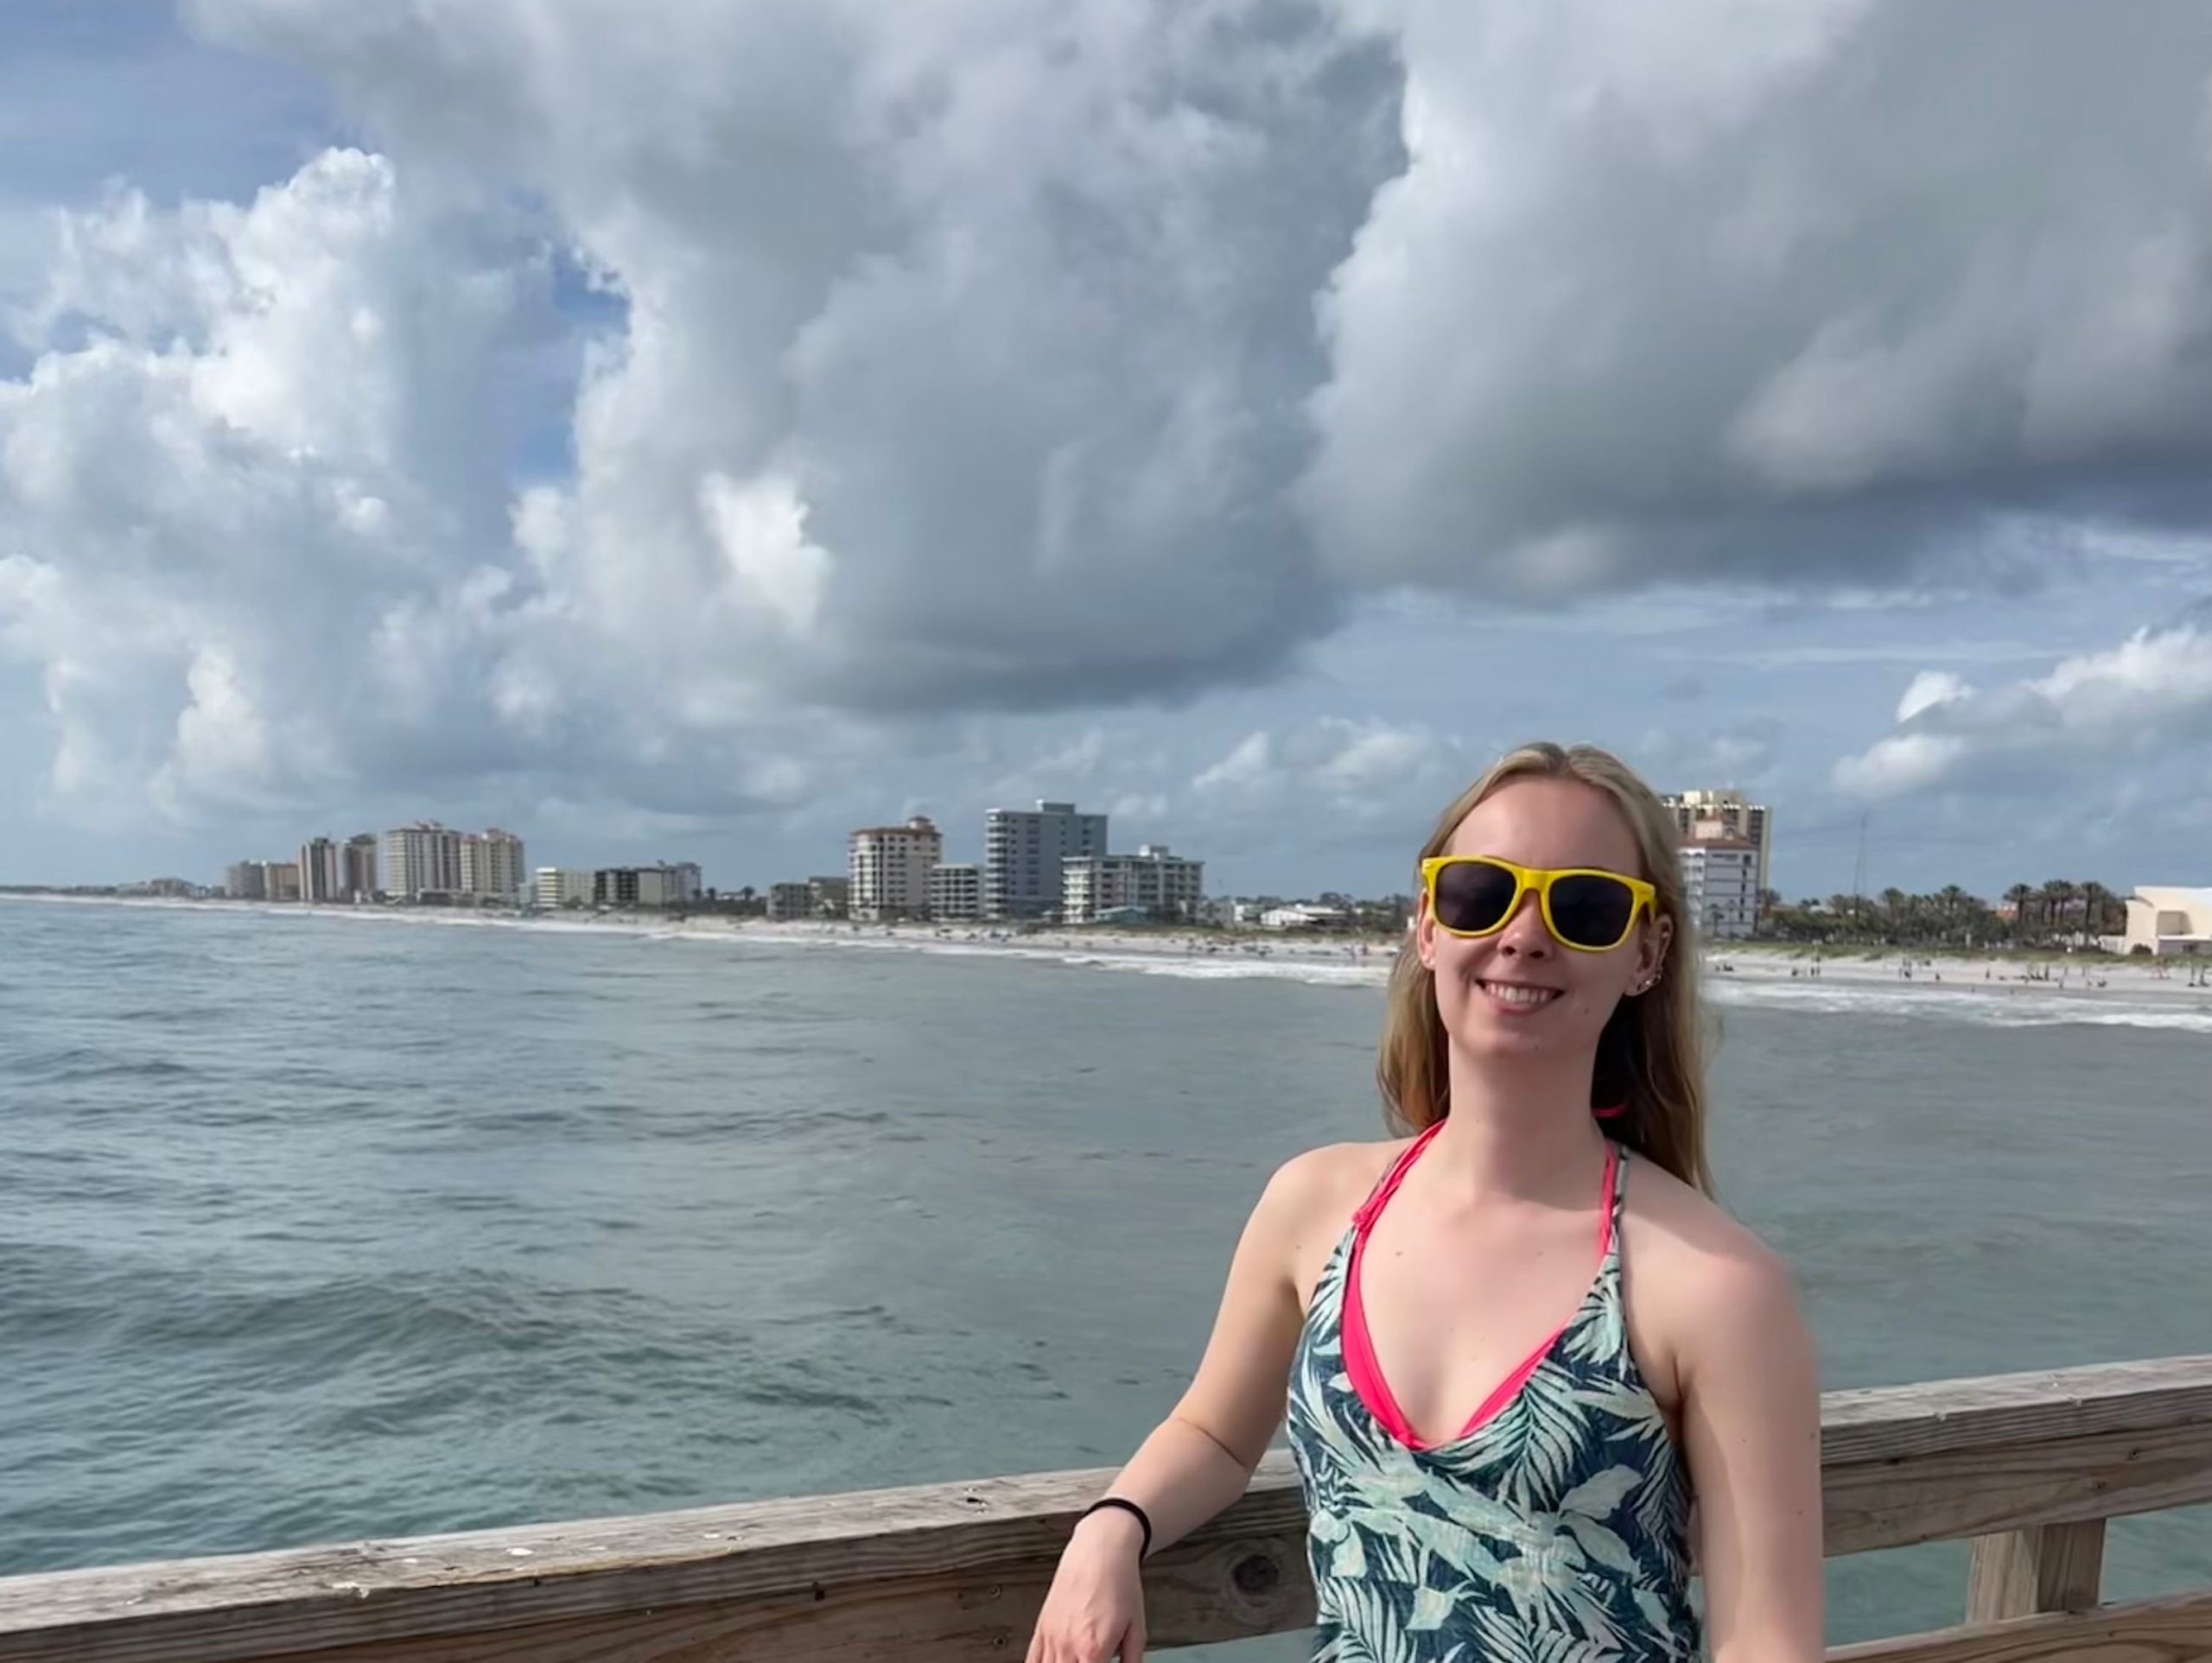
(1024, 853)
(1153, 884)
(666, 884)
(419, 860)
(956, 891)
(889, 869)
(1704, 816)
(1721, 886)
(491, 866)
(557, 887)
(429, 861)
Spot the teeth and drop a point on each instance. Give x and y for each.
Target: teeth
(1520, 995)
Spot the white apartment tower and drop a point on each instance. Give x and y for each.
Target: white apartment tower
(1024, 853)
(889, 868)
(1721, 886)
(1700, 815)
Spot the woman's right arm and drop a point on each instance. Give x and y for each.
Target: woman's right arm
(1201, 1457)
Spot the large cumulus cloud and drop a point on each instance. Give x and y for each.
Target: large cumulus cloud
(965, 340)
(254, 440)
(1025, 354)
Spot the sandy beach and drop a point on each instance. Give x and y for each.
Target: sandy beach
(2005, 989)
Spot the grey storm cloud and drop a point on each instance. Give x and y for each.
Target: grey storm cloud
(1021, 354)
(1804, 293)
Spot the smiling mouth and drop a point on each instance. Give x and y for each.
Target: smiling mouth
(1518, 995)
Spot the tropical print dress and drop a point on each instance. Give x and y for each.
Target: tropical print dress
(1553, 1530)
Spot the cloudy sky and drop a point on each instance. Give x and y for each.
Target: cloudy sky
(693, 428)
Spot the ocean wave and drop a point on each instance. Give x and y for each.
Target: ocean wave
(1311, 972)
(1987, 1007)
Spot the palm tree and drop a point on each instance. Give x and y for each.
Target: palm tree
(2092, 907)
(2022, 895)
(1893, 903)
(1953, 900)
(2058, 902)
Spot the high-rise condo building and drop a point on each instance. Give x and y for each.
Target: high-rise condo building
(321, 877)
(1721, 886)
(889, 867)
(956, 893)
(1024, 852)
(357, 875)
(491, 866)
(1703, 815)
(421, 859)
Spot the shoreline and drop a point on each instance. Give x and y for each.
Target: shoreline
(1776, 970)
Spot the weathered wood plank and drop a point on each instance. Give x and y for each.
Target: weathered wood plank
(585, 1584)
(1887, 1423)
(2023, 1572)
(1984, 1489)
(1227, 1590)
(2173, 1630)
(1903, 1464)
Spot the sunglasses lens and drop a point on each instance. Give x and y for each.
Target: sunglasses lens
(1590, 910)
(1472, 898)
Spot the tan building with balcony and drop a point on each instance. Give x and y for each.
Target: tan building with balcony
(889, 868)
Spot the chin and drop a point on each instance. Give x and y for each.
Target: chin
(1484, 1039)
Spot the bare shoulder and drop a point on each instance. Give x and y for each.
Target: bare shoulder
(1323, 1174)
(1309, 1203)
(1686, 1222)
(1699, 1277)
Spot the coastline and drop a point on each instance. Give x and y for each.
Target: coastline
(2009, 989)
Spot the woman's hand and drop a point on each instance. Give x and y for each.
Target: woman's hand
(1095, 1609)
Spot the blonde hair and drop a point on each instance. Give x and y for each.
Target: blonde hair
(1650, 1055)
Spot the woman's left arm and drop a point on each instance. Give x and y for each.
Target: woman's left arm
(1751, 1430)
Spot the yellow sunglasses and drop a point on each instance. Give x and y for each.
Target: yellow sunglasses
(1585, 907)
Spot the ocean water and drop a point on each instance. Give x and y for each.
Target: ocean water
(314, 1229)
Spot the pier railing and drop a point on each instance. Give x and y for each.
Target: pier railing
(2029, 1467)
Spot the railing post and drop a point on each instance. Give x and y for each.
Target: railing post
(2025, 1572)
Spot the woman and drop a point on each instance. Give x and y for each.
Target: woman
(1512, 1346)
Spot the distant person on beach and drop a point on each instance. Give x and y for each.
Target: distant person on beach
(1515, 1346)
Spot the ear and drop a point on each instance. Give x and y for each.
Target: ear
(1425, 936)
(1652, 950)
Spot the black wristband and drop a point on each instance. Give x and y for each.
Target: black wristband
(1143, 1519)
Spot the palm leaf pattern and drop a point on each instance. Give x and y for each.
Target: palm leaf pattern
(1555, 1531)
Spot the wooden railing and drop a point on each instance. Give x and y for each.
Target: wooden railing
(2028, 1466)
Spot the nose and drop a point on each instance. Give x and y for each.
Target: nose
(1525, 935)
